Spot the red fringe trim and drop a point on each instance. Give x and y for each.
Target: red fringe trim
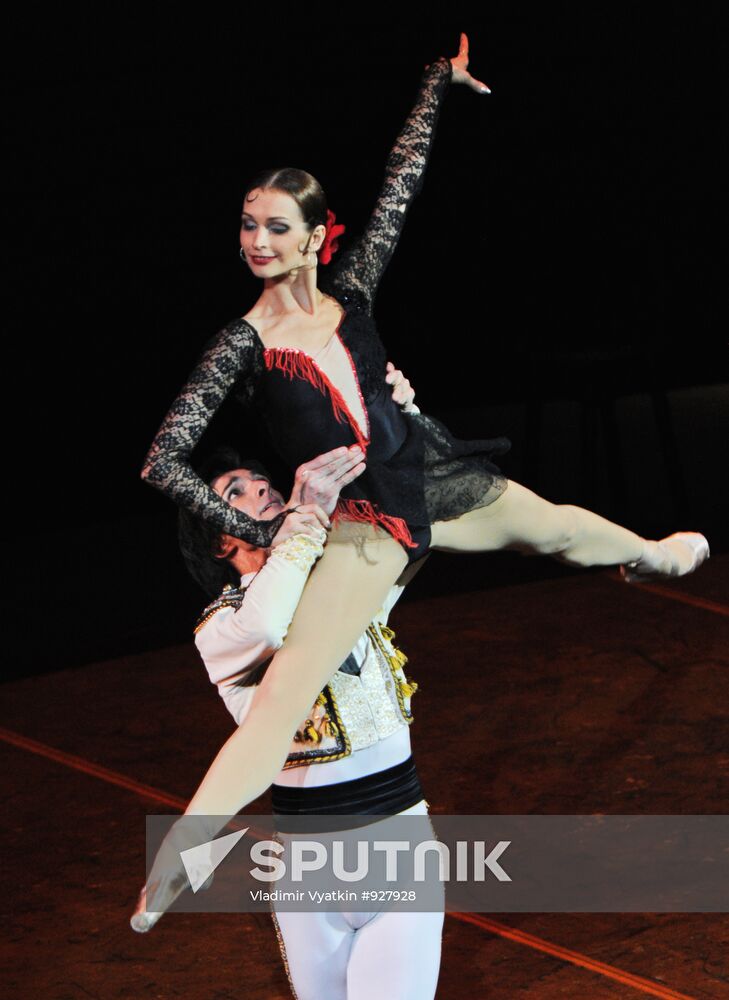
(365, 513)
(295, 363)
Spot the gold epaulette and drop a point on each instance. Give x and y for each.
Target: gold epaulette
(232, 597)
(396, 660)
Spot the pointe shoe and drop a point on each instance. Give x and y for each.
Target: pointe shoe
(165, 891)
(669, 557)
(143, 920)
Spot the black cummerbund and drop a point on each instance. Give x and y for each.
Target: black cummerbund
(384, 793)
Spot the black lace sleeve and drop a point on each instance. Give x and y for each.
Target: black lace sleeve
(361, 268)
(231, 356)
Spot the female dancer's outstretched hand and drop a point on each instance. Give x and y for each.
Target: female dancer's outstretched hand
(460, 69)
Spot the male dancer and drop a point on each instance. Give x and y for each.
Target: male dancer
(352, 753)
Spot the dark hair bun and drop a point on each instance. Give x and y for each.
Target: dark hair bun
(305, 189)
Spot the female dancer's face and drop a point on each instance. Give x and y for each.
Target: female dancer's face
(273, 234)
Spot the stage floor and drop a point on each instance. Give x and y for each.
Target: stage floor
(571, 696)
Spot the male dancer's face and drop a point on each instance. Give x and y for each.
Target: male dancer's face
(250, 492)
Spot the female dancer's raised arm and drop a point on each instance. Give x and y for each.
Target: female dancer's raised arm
(362, 266)
(234, 354)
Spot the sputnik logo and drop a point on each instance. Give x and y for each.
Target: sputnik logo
(200, 862)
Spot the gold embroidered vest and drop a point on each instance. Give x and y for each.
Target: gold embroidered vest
(367, 699)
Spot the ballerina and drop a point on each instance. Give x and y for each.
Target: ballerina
(308, 357)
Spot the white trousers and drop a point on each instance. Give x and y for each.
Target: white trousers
(358, 956)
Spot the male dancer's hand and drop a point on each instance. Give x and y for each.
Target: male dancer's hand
(304, 519)
(402, 392)
(320, 480)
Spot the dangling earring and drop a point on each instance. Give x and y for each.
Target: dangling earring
(308, 254)
(242, 255)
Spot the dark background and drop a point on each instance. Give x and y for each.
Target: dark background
(561, 277)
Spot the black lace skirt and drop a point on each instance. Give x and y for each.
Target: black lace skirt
(458, 475)
(432, 476)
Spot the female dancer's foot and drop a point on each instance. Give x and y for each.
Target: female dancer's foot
(172, 871)
(677, 555)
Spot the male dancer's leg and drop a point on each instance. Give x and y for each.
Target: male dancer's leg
(359, 955)
(315, 948)
(356, 956)
(397, 953)
(520, 519)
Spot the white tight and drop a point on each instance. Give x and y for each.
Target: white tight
(345, 591)
(357, 956)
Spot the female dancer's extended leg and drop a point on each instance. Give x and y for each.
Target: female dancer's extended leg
(527, 523)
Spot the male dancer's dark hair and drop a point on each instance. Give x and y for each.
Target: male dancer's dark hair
(199, 541)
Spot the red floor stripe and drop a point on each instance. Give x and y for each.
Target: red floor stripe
(676, 595)
(503, 930)
(575, 957)
(96, 770)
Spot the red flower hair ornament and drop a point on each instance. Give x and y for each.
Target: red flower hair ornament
(330, 244)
